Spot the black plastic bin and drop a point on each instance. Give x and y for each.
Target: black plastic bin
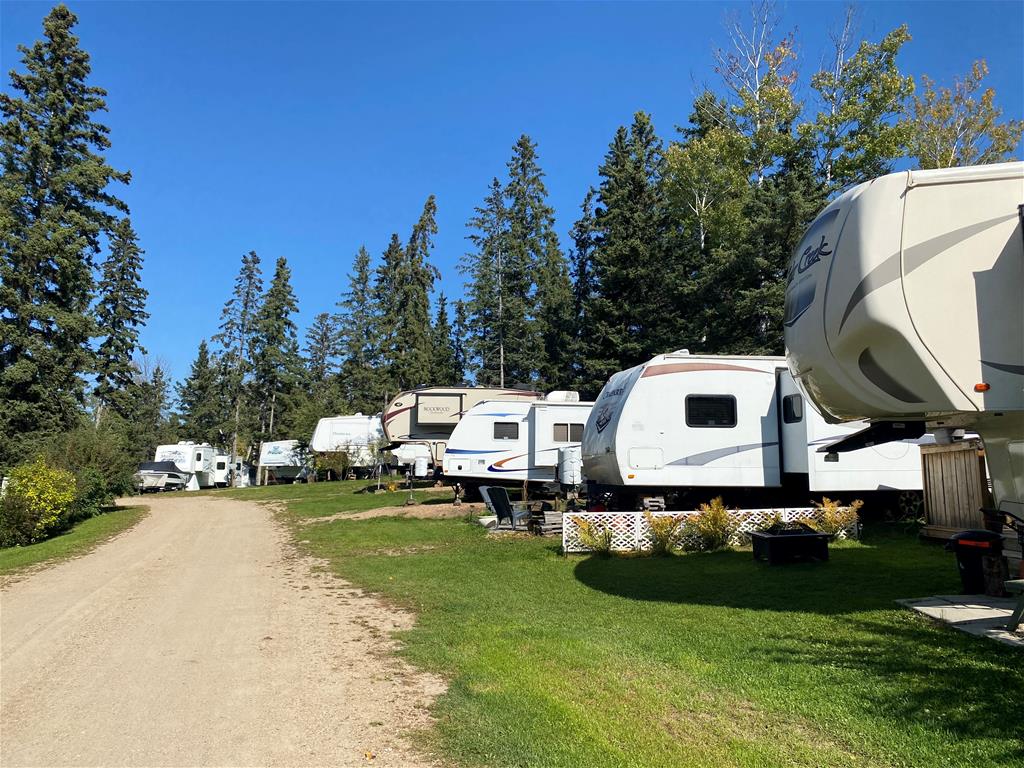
(970, 547)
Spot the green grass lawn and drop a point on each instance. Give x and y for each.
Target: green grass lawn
(79, 540)
(695, 660)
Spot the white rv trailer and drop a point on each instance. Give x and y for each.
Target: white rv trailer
(194, 459)
(682, 421)
(515, 441)
(359, 436)
(283, 460)
(428, 415)
(905, 306)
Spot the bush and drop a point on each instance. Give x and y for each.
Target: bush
(712, 527)
(91, 494)
(836, 518)
(37, 504)
(666, 532)
(597, 537)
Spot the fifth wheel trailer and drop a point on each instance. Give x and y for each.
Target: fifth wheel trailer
(704, 423)
(194, 459)
(359, 436)
(427, 416)
(905, 306)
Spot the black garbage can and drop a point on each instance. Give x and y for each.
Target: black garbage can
(970, 547)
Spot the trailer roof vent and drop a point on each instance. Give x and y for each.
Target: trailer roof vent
(562, 396)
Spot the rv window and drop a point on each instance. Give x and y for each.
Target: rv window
(506, 430)
(710, 411)
(199, 457)
(576, 433)
(561, 433)
(792, 409)
(222, 465)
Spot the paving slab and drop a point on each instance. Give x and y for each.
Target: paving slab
(979, 615)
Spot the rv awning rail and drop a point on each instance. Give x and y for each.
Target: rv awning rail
(876, 434)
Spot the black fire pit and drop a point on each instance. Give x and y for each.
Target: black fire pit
(788, 544)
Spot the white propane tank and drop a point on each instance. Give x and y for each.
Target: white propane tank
(420, 467)
(570, 465)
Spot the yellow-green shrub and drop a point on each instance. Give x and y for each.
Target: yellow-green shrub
(666, 532)
(835, 517)
(595, 536)
(37, 503)
(712, 527)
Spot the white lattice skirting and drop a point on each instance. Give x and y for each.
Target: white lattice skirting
(632, 533)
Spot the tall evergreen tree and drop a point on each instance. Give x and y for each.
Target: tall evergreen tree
(446, 371)
(200, 401)
(360, 326)
(120, 313)
(322, 341)
(55, 203)
(584, 238)
(387, 302)
(460, 335)
(237, 338)
(276, 362)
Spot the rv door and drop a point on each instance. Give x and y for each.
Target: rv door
(792, 424)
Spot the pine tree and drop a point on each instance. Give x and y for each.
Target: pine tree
(360, 324)
(584, 238)
(446, 370)
(200, 400)
(411, 364)
(120, 313)
(387, 298)
(460, 334)
(322, 341)
(55, 204)
(276, 362)
(237, 339)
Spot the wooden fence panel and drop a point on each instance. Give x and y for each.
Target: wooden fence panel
(955, 487)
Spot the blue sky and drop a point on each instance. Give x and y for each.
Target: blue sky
(307, 129)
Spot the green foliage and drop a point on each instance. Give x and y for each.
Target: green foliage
(277, 367)
(91, 495)
(361, 330)
(106, 450)
(445, 360)
(595, 536)
(38, 503)
(713, 526)
(201, 400)
(961, 125)
(667, 533)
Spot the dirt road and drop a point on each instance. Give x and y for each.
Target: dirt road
(199, 638)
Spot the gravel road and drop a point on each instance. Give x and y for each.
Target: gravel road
(201, 638)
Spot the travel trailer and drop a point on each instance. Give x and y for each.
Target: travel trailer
(428, 415)
(359, 436)
(511, 442)
(282, 461)
(905, 307)
(194, 459)
(683, 421)
(222, 473)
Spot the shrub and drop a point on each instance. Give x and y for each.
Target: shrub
(37, 504)
(597, 537)
(666, 532)
(773, 520)
(835, 518)
(712, 527)
(91, 494)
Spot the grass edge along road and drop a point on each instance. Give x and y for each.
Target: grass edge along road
(79, 540)
(695, 660)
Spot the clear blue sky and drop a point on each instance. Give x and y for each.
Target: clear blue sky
(307, 129)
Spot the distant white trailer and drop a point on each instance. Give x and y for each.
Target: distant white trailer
(359, 436)
(512, 442)
(282, 460)
(194, 459)
(682, 421)
(428, 415)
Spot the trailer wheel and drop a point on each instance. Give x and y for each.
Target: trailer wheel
(910, 504)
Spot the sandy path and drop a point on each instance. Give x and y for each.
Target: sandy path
(199, 638)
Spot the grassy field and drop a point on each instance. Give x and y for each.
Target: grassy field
(79, 540)
(323, 499)
(696, 660)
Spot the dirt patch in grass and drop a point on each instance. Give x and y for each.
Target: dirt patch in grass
(431, 511)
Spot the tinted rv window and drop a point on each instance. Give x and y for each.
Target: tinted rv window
(576, 433)
(222, 465)
(792, 409)
(710, 411)
(199, 457)
(560, 434)
(506, 430)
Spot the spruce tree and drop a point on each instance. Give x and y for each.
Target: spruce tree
(237, 338)
(322, 341)
(55, 203)
(359, 321)
(120, 313)
(584, 238)
(387, 300)
(200, 401)
(460, 335)
(276, 362)
(446, 370)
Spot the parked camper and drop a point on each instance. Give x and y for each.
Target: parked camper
(515, 441)
(684, 421)
(904, 307)
(194, 459)
(282, 461)
(358, 436)
(154, 476)
(428, 415)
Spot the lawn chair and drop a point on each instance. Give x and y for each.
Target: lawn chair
(503, 507)
(486, 496)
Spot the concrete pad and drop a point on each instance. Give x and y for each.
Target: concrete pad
(979, 615)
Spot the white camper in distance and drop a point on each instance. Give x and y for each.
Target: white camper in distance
(689, 421)
(359, 436)
(428, 415)
(905, 306)
(511, 442)
(194, 459)
(282, 460)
